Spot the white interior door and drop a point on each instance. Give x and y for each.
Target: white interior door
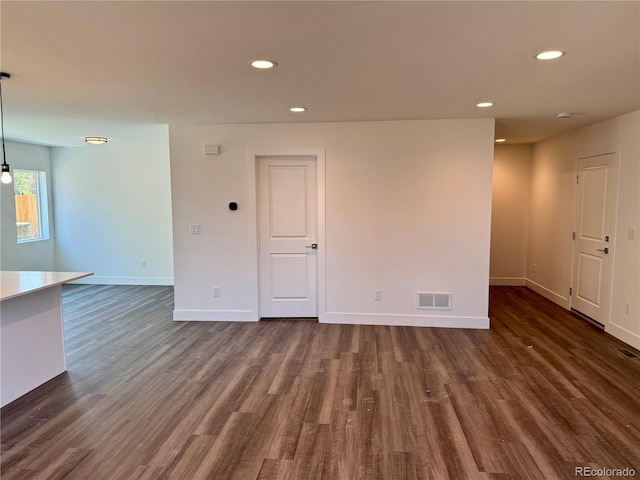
(593, 249)
(287, 217)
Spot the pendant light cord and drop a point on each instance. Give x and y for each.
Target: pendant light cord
(4, 153)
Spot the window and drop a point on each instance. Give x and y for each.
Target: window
(32, 217)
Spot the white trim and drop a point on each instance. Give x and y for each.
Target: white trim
(215, 315)
(405, 320)
(106, 280)
(252, 164)
(623, 334)
(508, 282)
(596, 152)
(44, 207)
(548, 294)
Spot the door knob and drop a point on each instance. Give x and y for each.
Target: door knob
(603, 250)
(313, 246)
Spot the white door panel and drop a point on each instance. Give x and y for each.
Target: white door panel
(288, 276)
(287, 201)
(594, 202)
(589, 279)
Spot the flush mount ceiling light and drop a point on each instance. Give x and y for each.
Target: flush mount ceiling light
(263, 64)
(298, 109)
(549, 55)
(500, 140)
(96, 140)
(484, 104)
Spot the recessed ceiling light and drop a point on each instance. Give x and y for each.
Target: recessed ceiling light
(484, 104)
(263, 64)
(549, 55)
(298, 109)
(501, 140)
(96, 140)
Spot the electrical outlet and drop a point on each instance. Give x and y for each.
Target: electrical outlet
(627, 308)
(194, 229)
(533, 268)
(143, 264)
(377, 295)
(216, 291)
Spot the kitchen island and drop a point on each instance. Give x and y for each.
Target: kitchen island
(32, 330)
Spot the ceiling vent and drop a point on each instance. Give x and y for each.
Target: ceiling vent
(433, 300)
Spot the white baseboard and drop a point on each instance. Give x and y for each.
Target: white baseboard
(105, 280)
(548, 294)
(215, 315)
(508, 282)
(405, 320)
(623, 334)
(617, 331)
(341, 318)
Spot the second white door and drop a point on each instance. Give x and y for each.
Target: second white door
(287, 217)
(593, 250)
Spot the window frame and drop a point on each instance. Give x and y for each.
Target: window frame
(42, 196)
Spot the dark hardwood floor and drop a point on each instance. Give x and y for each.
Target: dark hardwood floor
(539, 394)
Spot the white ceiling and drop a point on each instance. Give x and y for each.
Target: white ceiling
(126, 69)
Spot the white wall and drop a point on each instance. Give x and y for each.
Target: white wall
(510, 214)
(553, 188)
(37, 255)
(113, 211)
(408, 208)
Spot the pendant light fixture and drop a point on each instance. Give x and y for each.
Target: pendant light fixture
(6, 171)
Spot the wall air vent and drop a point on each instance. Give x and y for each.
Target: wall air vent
(433, 300)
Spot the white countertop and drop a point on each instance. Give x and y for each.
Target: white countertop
(14, 284)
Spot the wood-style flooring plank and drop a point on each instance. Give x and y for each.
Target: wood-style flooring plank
(539, 394)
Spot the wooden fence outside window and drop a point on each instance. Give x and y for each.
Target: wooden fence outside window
(27, 212)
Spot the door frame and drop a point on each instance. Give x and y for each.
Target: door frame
(615, 152)
(253, 156)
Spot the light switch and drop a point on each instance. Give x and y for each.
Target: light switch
(631, 233)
